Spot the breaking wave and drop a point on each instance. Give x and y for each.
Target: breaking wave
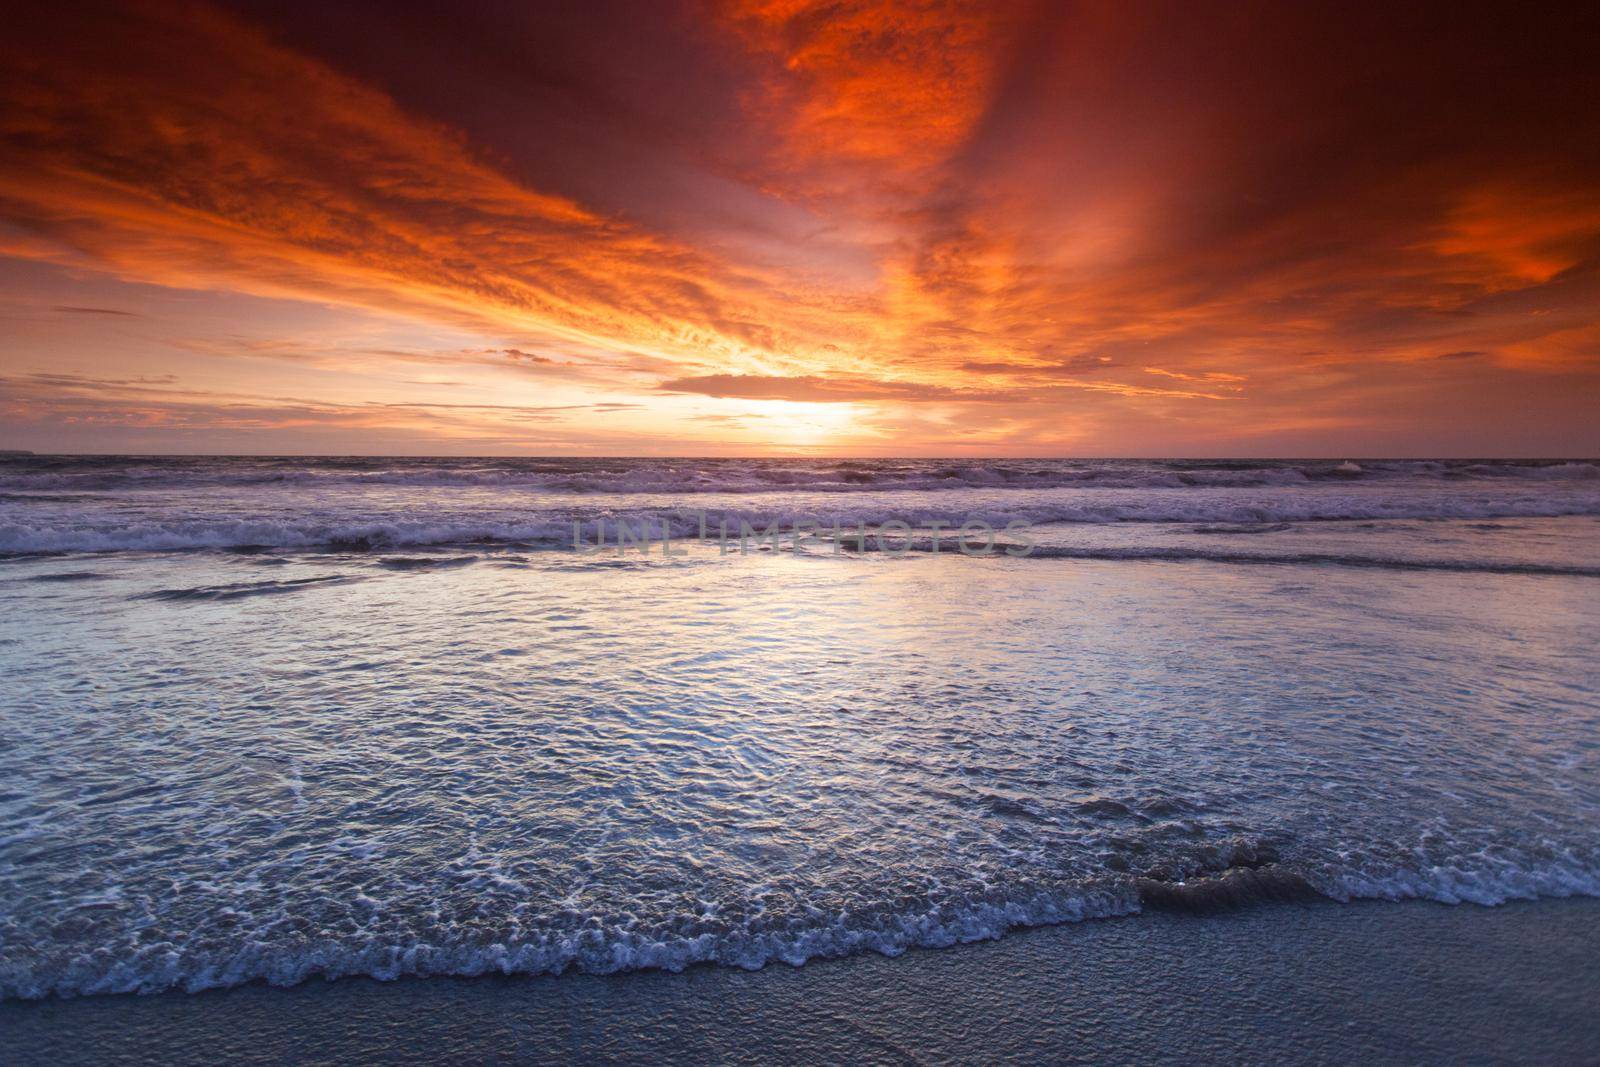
(240, 590)
(1176, 555)
(115, 533)
(102, 474)
(594, 946)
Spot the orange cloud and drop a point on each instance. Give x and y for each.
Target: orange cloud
(206, 154)
(864, 88)
(1517, 236)
(1016, 225)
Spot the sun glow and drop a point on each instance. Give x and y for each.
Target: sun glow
(801, 423)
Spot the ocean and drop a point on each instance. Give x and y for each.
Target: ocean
(265, 719)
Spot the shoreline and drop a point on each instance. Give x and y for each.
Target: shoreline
(1309, 981)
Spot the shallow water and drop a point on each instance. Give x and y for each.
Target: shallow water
(365, 734)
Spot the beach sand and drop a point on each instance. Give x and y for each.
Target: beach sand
(1315, 982)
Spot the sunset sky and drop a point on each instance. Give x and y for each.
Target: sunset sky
(770, 226)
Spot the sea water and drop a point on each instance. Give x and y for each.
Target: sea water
(278, 718)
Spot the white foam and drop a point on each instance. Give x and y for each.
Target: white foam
(600, 949)
(100, 529)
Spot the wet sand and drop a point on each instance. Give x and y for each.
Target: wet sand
(1313, 982)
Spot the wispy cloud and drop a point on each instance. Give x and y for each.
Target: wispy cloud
(1000, 223)
(70, 310)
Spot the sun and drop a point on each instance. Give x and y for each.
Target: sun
(800, 423)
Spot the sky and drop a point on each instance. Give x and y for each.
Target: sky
(757, 227)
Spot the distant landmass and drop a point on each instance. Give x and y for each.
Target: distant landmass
(15, 452)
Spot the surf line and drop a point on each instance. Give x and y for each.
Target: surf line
(894, 537)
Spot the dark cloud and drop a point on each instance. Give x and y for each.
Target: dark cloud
(90, 381)
(70, 310)
(808, 388)
(525, 357)
(1070, 366)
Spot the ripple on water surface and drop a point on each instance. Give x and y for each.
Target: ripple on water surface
(459, 762)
